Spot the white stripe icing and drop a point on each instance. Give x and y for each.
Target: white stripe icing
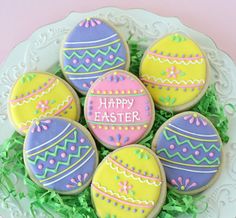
(194, 171)
(80, 78)
(49, 140)
(191, 132)
(88, 42)
(179, 82)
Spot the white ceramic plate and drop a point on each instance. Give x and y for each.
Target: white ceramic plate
(41, 52)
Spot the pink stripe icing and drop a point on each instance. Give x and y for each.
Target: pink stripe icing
(121, 201)
(175, 58)
(32, 94)
(137, 174)
(63, 108)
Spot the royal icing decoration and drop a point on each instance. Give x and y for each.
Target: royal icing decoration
(189, 148)
(91, 49)
(126, 185)
(118, 109)
(174, 70)
(60, 155)
(37, 95)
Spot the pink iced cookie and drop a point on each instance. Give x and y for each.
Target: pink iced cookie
(118, 109)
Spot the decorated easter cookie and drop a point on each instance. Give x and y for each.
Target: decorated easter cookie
(37, 95)
(60, 155)
(91, 49)
(118, 109)
(174, 70)
(129, 182)
(189, 148)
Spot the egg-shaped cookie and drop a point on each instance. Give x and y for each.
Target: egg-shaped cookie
(190, 150)
(60, 155)
(91, 49)
(118, 109)
(174, 70)
(129, 182)
(36, 95)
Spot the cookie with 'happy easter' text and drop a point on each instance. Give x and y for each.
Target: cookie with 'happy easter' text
(118, 109)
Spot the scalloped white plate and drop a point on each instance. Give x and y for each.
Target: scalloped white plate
(34, 53)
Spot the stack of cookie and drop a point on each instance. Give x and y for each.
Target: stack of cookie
(61, 155)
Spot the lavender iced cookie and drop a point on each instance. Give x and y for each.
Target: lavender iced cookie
(91, 49)
(60, 155)
(189, 148)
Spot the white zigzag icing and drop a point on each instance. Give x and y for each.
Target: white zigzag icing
(37, 96)
(186, 82)
(122, 196)
(161, 60)
(28, 122)
(131, 175)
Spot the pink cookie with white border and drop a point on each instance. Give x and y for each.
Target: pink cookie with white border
(118, 109)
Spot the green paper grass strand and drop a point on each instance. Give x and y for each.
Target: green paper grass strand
(80, 206)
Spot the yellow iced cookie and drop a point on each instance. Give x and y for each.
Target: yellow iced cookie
(130, 182)
(37, 95)
(174, 69)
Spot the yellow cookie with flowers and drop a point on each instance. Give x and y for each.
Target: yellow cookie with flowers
(36, 95)
(129, 182)
(174, 70)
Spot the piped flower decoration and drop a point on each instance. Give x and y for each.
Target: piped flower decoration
(115, 78)
(78, 181)
(118, 139)
(125, 187)
(89, 22)
(40, 125)
(183, 185)
(172, 72)
(43, 105)
(141, 154)
(194, 119)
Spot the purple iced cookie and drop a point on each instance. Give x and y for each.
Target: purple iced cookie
(189, 148)
(91, 49)
(60, 155)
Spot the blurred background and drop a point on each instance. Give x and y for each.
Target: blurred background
(215, 18)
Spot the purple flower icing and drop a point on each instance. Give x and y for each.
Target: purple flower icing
(90, 50)
(61, 158)
(190, 150)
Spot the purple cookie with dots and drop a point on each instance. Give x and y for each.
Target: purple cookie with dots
(91, 49)
(60, 155)
(189, 148)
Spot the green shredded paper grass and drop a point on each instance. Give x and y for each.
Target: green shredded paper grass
(80, 206)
